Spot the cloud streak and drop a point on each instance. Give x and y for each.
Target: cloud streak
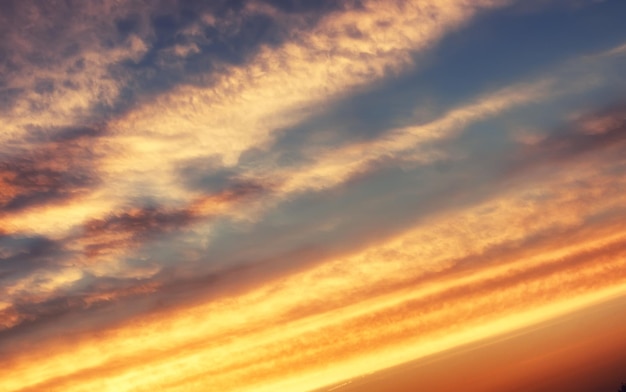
(184, 207)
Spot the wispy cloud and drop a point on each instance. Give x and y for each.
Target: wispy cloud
(192, 197)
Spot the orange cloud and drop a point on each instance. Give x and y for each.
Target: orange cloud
(412, 295)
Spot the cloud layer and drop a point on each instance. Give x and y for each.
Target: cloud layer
(275, 195)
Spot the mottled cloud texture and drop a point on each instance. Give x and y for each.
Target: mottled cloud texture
(268, 195)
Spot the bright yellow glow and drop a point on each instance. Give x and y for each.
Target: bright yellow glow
(362, 312)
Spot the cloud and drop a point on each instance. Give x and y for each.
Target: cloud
(135, 228)
(88, 297)
(19, 254)
(49, 171)
(57, 64)
(179, 212)
(246, 105)
(603, 130)
(479, 250)
(132, 226)
(372, 323)
(78, 63)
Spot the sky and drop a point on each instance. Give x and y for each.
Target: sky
(291, 195)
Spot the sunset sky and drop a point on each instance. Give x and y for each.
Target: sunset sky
(299, 195)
